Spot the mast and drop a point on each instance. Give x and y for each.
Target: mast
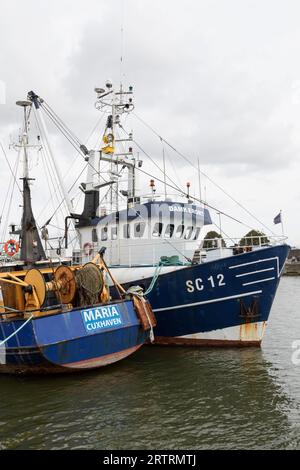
(31, 246)
(117, 103)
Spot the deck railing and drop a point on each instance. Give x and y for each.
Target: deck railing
(247, 242)
(225, 247)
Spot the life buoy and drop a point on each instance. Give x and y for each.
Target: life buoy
(88, 248)
(11, 247)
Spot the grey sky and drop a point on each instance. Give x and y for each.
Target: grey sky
(219, 79)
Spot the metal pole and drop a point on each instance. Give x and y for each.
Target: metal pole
(221, 237)
(24, 143)
(219, 214)
(281, 223)
(199, 181)
(164, 163)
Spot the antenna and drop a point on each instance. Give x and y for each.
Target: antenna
(164, 164)
(122, 41)
(199, 180)
(24, 138)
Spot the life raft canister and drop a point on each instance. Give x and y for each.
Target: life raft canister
(11, 247)
(88, 248)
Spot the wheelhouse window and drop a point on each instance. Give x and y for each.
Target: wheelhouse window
(197, 233)
(157, 229)
(114, 233)
(169, 230)
(126, 231)
(104, 232)
(94, 235)
(179, 231)
(188, 233)
(139, 229)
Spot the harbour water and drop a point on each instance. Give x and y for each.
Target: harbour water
(169, 398)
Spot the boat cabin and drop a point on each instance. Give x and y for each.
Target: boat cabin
(142, 234)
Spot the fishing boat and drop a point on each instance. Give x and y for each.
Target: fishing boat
(212, 292)
(55, 317)
(292, 266)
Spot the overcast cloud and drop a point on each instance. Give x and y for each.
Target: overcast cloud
(218, 79)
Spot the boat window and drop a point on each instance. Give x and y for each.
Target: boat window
(179, 231)
(169, 230)
(104, 231)
(139, 229)
(197, 233)
(114, 233)
(188, 233)
(126, 231)
(157, 229)
(94, 235)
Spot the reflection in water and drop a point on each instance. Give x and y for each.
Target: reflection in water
(165, 398)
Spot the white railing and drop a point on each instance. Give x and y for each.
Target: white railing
(185, 250)
(149, 253)
(253, 242)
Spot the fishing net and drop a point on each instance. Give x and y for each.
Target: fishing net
(90, 284)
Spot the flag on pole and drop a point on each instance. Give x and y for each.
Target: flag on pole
(277, 219)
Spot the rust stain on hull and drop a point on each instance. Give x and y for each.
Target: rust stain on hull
(251, 332)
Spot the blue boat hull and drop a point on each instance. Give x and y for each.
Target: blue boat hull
(222, 302)
(71, 341)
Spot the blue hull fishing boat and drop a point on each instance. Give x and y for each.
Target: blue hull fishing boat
(217, 303)
(204, 290)
(70, 341)
(55, 317)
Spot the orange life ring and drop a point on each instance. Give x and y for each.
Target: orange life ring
(11, 247)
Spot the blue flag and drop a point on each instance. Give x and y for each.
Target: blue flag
(277, 219)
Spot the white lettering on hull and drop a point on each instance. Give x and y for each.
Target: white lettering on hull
(101, 317)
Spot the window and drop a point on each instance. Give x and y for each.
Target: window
(188, 233)
(169, 230)
(197, 233)
(94, 235)
(139, 229)
(179, 231)
(157, 229)
(114, 233)
(104, 231)
(126, 231)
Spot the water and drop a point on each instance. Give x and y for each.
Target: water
(168, 398)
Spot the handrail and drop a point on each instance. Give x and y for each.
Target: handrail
(250, 241)
(187, 247)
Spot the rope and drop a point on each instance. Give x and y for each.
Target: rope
(97, 172)
(10, 168)
(10, 190)
(17, 331)
(196, 199)
(204, 174)
(154, 279)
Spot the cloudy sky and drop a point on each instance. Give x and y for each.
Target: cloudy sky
(218, 79)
